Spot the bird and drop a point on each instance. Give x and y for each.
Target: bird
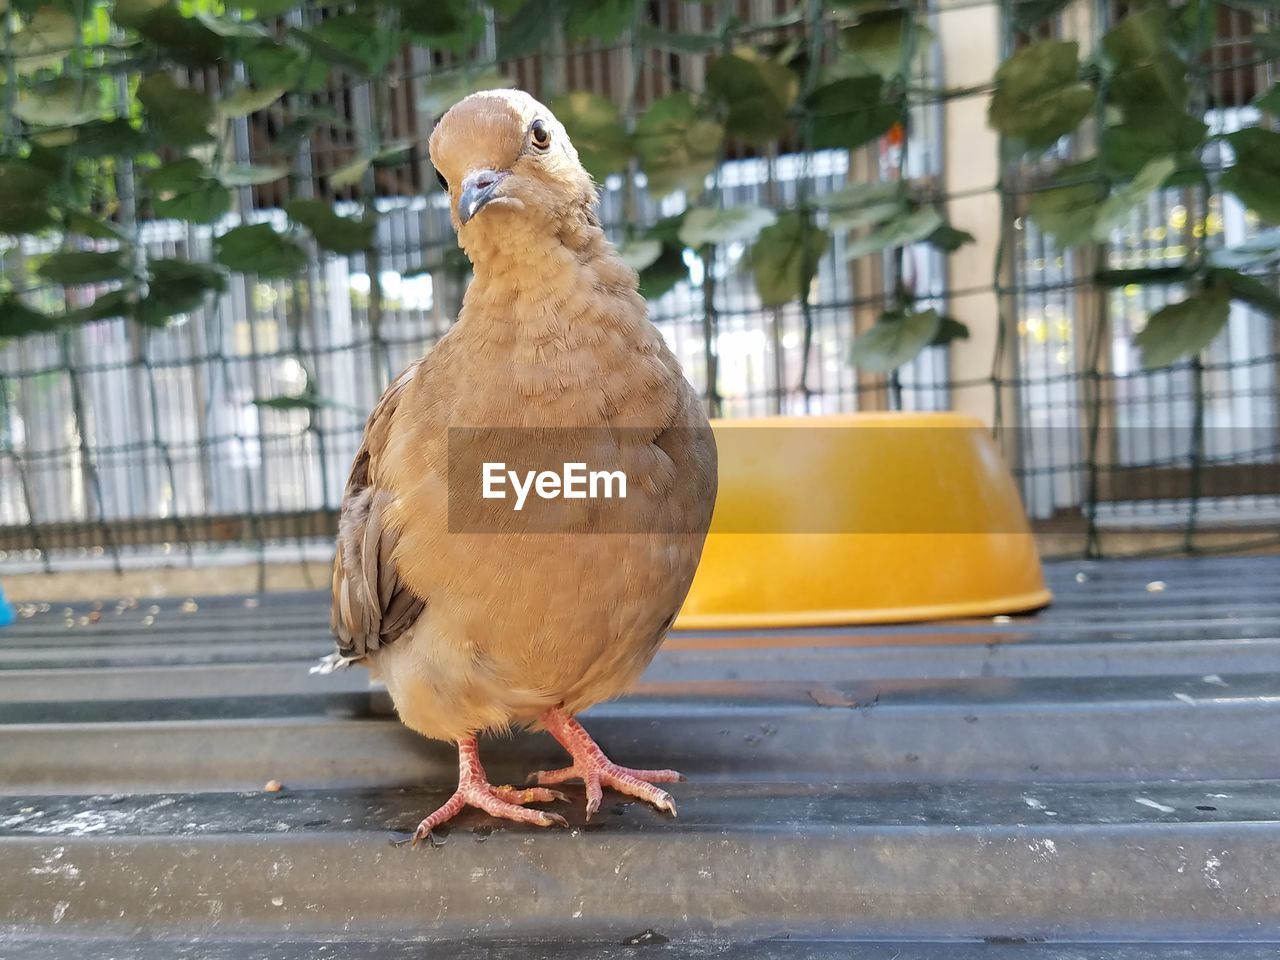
(476, 619)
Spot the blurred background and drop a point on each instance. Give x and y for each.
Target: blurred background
(222, 237)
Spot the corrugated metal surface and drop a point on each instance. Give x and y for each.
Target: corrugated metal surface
(1106, 771)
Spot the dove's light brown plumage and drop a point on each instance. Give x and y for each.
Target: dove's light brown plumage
(490, 626)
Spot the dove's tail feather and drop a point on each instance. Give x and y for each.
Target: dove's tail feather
(334, 661)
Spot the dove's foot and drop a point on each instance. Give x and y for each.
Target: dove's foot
(595, 770)
(474, 790)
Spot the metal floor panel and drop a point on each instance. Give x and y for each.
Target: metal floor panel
(655, 947)
(1098, 780)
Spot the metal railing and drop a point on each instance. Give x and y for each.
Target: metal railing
(116, 438)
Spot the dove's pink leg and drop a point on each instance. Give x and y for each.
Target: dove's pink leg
(594, 769)
(476, 791)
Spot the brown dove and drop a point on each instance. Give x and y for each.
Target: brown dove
(485, 623)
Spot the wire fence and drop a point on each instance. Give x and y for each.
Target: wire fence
(118, 441)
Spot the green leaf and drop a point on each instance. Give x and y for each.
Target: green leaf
(877, 43)
(277, 65)
(647, 35)
(350, 174)
(664, 273)
(704, 226)
(238, 176)
(897, 338)
(595, 128)
(861, 204)
(44, 41)
(290, 401)
(54, 139)
(110, 138)
(1144, 275)
(1267, 43)
(175, 176)
(677, 146)
(1028, 13)
(393, 154)
(84, 225)
(601, 19)
(331, 231)
(245, 101)
(525, 33)
(785, 258)
(1038, 96)
(788, 18)
(1183, 328)
(59, 162)
(1068, 209)
(83, 266)
(1263, 248)
(447, 24)
(64, 102)
(132, 14)
(1138, 37)
(1116, 208)
(109, 306)
(1126, 148)
(667, 229)
(1255, 177)
(24, 204)
(233, 29)
(638, 254)
(443, 90)
(949, 329)
(185, 190)
(1147, 75)
(850, 112)
(1158, 87)
(176, 287)
(205, 202)
(181, 117)
(1270, 101)
(948, 239)
(1082, 212)
(757, 93)
(301, 125)
(854, 195)
(668, 268)
(308, 399)
(262, 9)
(353, 41)
(871, 214)
(1241, 286)
(257, 248)
(899, 232)
(185, 39)
(19, 320)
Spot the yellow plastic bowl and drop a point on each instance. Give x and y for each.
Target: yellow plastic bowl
(862, 518)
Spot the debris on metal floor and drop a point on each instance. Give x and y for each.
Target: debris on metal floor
(177, 784)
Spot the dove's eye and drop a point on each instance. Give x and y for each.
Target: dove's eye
(540, 134)
(444, 184)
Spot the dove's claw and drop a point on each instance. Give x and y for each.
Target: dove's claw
(503, 802)
(596, 771)
(528, 795)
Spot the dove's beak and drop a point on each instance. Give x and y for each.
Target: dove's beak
(478, 188)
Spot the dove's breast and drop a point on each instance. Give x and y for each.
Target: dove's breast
(521, 617)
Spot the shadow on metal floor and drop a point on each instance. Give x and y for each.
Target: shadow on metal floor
(1101, 779)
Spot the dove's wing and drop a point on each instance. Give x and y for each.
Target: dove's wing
(371, 604)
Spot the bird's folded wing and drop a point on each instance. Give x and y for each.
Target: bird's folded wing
(371, 604)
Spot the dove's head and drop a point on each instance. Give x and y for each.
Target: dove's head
(510, 170)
